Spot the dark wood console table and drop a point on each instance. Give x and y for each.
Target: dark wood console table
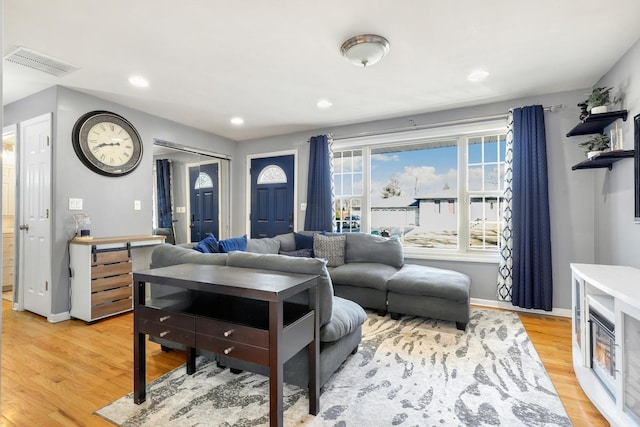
(240, 312)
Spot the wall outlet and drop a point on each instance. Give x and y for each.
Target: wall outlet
(75, 204)
(137, 205)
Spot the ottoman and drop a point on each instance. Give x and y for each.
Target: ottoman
(429, 292)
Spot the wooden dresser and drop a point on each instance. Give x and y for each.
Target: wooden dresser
(101, 274)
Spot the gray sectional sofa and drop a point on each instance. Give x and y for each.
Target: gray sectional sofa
(357, 270)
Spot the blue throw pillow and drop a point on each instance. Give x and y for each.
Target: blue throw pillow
(208, 245)
(303, 241)
(234, 244)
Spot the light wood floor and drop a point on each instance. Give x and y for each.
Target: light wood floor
(59, 374)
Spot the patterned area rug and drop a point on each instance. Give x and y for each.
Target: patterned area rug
(411, 372)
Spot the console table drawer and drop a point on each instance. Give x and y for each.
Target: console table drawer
(166, 317)
(233, 349)
(171, 333)
(232, 332)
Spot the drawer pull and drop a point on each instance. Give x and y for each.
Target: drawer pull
(228, 333)
(228, 350)
(164, 334)
(163, 318)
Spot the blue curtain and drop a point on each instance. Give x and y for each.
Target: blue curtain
(532, 274)
(319, 215)
(163, 181)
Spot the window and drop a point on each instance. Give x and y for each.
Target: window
(204, 181)
(485, 188)
(272, 174)
(438, 190)
(348, 182)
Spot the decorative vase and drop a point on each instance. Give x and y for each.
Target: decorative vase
(599, 110)
(591, 154)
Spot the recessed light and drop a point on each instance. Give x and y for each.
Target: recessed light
(237, 121)
(324, 104)
(138, 81)
(477, 75)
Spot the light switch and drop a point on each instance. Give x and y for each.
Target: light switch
(137, 205)
(75, 204)
(303, 207)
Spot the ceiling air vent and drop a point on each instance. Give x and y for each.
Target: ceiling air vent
(40, 62)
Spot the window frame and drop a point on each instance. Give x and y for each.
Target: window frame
(462, 133)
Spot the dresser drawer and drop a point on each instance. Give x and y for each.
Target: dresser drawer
(233, 349)
(232, 332)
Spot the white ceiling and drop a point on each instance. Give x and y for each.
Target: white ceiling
(271, 61)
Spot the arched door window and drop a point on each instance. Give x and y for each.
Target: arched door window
(272, 174)
(203, 181)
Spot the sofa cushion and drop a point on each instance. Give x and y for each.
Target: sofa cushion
(166, 255)
(330, 248)
(300, 253)
(347, 317)
(208, 245)
(362, 247)
(287, 264)
(233, 244)
(287, 242)
(267, 245)
(428, 281)
(364, 275)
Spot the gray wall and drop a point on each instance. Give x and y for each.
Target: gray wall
(571, 193)
(617, 237)
(107, 200)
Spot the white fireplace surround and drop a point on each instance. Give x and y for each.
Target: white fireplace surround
(613, 292)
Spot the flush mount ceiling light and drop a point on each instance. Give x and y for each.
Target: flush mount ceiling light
(138, 81)
(365, 50)
(237, 121)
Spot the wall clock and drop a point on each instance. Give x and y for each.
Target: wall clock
(107, 143)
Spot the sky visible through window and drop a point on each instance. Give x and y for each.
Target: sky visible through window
(419, 172)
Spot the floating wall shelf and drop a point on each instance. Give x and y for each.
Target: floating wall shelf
(595, 123)
(604, 160)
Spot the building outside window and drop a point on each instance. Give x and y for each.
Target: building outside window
(437, 191)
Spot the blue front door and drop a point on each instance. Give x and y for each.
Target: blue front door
(272, 180)
(203, 201)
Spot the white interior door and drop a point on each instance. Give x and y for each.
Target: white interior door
(34, 140)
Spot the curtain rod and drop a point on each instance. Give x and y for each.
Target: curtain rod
(551, 108)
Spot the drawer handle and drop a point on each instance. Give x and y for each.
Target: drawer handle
(164, 334)
(163, 318)
(228, 333)
(228, 350)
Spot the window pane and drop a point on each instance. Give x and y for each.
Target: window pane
(414, 193)
(475, 178)
(475, 150)
(485, 222)
(503, 147)
(357, 183)
(357, 161)
(491, 150)
(337, 182)
(491, 174)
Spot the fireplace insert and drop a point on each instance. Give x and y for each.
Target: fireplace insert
(603, 349)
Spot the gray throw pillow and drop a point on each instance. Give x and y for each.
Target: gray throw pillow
(330, 248)
(266, 245)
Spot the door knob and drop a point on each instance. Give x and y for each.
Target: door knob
(24, 227)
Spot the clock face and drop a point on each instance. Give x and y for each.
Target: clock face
(107, 143)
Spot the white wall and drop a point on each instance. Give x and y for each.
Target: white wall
(617, 236)
(107, 200)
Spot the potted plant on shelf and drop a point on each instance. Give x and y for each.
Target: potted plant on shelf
(595, 145)
(599, 100)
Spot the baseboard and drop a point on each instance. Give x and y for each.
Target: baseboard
(562, 312)
(59, 317)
